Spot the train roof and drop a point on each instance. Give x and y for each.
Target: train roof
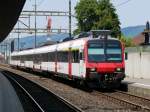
(74, 44)
(50, 48)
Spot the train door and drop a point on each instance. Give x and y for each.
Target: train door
(81, 63)
(75, 62)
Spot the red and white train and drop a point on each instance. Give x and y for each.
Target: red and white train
(84, 59)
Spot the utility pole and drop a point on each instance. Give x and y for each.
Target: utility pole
(70, 18)
(6, 54)
(35, 24)
(147, 34)
(18, 38)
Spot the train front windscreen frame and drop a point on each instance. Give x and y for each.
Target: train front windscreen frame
(104, 51)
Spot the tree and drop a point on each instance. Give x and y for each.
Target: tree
(127, 41)
(97, 14)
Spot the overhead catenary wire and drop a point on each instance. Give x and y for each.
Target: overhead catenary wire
(40, 2)
(123, 3)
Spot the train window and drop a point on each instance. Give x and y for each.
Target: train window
(65, 56)
(37, 59)
(18, 57)
(114, 51)
(81, 56)
(51, 56)
(22, 59)
(96, 44)
(62, 56)
(75, 56)
(29, 58)
(114, 44)
(44, 57)
(25, 58)
(14, 58)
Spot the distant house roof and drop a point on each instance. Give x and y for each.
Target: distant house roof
(139, 39)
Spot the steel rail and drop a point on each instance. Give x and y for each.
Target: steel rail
(137, 97)
(26, 92)
(69, 104)
(142, 98)
(123, 102)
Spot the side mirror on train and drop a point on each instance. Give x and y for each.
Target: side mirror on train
(126, 56)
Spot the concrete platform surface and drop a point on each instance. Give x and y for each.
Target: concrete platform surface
(145, 83)
(9, 101)
(138, 86)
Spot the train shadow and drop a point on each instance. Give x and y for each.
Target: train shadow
(123, 87)
(74, 84)
(62, 80)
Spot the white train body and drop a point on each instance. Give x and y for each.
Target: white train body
(85, 58)
(36, 58)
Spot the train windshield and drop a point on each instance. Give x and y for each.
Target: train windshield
(100, 51)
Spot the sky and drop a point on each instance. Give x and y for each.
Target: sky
(132, 13)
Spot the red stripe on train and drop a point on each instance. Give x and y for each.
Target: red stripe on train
(70, 64)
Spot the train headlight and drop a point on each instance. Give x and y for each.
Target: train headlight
(118, 69)
(93, 69)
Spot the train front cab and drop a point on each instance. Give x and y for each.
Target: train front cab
(105, 62)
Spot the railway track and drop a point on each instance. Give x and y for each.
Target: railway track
(141, 101)
(132, 102)
(37, 99)
(125, 101)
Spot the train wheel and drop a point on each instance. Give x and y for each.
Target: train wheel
(118, 84)
(81, 83)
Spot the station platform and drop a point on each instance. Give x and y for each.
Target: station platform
(138, 86)
(9, 101)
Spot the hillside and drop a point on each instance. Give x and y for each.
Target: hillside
(133, 30)
(28, 42)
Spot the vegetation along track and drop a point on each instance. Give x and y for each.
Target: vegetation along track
(38, 99)
(133, 102)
